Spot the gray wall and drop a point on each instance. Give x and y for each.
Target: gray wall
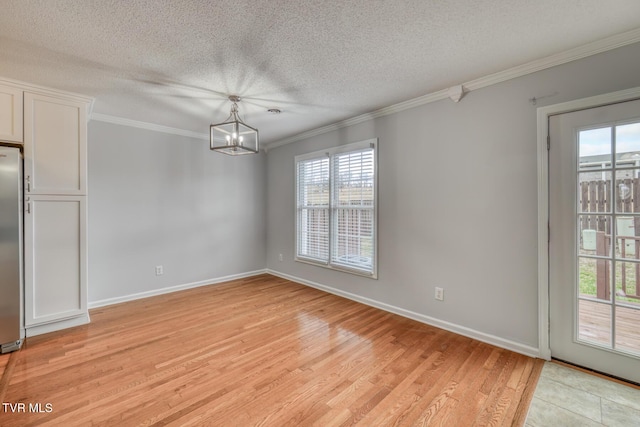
(457, 199)
(162, 199)
(457, 204)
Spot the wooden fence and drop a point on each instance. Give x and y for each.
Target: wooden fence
(595, 197)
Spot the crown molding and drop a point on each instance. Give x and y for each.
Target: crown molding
(599, 46)
(148, 126)
(415, 102)
(580, 52)
(29, 87)
(570, 55)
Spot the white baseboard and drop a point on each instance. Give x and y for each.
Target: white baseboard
(45, 328)
(161, 291)
(448, 326)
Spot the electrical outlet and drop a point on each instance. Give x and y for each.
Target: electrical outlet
(439, 294)
(159, 270)
(280, 257)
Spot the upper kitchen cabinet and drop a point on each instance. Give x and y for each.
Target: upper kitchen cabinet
(55, 145)
(10, 114)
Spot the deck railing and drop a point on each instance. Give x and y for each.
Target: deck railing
(603, 273)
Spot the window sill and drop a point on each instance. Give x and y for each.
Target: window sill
(337, 267)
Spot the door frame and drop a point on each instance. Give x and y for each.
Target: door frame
(544, 347)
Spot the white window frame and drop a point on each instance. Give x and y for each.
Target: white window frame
(330, 154)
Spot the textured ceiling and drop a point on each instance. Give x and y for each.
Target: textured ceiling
(174, 63)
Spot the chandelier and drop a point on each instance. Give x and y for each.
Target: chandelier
(233, 136)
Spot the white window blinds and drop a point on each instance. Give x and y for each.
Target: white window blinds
(336, 208)
(313, 209)
(352, 209)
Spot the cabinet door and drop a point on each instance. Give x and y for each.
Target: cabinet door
(10, 114)
(55, 258)
(55, 145)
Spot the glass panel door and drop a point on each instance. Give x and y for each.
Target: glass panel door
(608, 178)
(594, 247)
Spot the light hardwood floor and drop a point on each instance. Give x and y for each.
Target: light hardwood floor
(262, 351)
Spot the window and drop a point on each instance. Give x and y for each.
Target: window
(336, 208)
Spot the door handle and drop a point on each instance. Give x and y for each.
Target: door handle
(28, 183)
(28, 206)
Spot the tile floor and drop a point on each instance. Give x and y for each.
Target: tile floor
(568, 397)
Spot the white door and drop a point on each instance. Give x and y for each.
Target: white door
(594, 246)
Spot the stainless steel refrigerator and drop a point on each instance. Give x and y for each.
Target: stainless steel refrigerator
(11, 288)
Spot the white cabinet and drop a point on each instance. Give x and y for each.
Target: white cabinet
(55, 134)
(10, 114)
(52, 125)
(55, 218)
(55, 261)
